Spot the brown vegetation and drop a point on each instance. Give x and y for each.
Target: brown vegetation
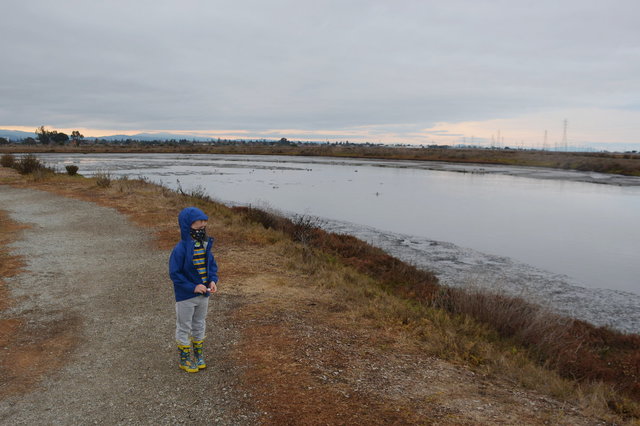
(358, 286)
(577, 350)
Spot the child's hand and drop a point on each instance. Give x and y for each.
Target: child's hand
(200, 288)
(213, 287)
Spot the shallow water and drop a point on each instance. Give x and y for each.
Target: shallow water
(580, 234)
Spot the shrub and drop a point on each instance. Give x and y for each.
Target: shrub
(72, 169)
(28, 164)
(576, 349)
(200, 193)
(267, 219)
(7, 160)
(304, 227)
(103, 179)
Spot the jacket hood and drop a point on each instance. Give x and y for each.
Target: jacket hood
(186, 217)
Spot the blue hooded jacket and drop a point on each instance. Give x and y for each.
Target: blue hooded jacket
(183, 273)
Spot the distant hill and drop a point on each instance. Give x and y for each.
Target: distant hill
(15, 135)
(152, 137)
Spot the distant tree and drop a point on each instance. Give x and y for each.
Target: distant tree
(29, 141)
(59, 137)
(4, 141)
(76, 137)
(43, 135)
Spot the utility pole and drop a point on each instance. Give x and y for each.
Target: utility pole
(565, 143)
(544, 144)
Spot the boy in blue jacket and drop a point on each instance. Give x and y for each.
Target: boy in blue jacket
(194, 273)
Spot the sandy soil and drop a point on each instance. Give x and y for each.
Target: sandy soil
(89, 339)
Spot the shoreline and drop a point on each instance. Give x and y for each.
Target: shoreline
(459, 266)
(466, 268)
(531, 172)
(537, 173)
(594, 167)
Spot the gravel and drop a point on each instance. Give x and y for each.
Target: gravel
(89, 262)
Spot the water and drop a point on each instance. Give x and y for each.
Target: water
(550, 236)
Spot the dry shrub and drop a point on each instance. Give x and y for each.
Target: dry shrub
(374, 262)
(396, 275)
(269, 220)
(103, 179)
(28, 164)
(72, 169)
(7, 160)
(575, 349)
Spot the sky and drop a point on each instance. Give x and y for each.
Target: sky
(493, 72)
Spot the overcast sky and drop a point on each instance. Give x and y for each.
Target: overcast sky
(382, 71)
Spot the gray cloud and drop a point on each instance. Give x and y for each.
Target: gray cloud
(311, 65)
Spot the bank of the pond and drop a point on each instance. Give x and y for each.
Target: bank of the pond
(501, 228)
(627, 164)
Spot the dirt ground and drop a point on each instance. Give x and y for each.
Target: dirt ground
(87, 338)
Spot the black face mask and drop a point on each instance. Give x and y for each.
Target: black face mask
(199, 234)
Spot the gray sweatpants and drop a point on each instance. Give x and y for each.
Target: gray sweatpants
(191, 315)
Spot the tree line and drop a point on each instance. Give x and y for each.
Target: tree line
(47, 137)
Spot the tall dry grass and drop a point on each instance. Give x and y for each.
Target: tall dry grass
(575, 349)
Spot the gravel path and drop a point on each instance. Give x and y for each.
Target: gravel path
(87, 262)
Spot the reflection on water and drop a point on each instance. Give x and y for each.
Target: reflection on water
(586, 231)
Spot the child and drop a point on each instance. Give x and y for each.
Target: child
(194, 273)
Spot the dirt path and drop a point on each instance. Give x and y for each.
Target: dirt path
(110, 319)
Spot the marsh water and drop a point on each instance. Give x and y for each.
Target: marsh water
(541, 234)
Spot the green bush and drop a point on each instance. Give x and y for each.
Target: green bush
(72, 169)
(7, 160)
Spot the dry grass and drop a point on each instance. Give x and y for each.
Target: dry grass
(574, 349)
(360, 302)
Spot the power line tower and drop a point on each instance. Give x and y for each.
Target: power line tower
(565, 143)
(544, 144)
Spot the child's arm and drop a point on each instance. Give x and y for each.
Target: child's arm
(176, 260)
